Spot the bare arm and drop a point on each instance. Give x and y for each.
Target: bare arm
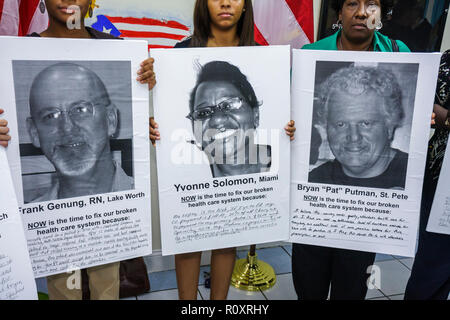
(441, 115)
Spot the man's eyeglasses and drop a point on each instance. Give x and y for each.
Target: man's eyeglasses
(80, 112)
(225, 106)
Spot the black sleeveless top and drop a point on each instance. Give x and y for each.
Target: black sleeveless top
(92, 32)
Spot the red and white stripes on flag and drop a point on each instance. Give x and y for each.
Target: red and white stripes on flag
(21, 17)
(9, 17)
(280, 22)
(159, 34)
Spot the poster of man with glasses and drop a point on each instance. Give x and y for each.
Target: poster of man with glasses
(223, 157)
(73, 120)
(79, 154)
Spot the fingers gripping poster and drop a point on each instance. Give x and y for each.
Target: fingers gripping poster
(358, 164)
(223, 159)
(79, 152)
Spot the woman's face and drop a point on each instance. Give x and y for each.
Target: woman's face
(359, 19)
(226, 117)
(225, 14)
(59, 9)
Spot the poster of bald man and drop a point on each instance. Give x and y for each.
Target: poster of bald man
(85, 148)
(80, 151)
(358, 163)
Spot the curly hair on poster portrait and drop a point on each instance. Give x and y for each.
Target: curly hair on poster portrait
(359, 80)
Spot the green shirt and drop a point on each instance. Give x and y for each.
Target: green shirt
(381, 43)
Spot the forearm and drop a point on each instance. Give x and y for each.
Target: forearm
(441, 115)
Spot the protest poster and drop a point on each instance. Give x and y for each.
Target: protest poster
(363, 122)
(439, 220)
(223, 158)
(16, 275)
(79, 153)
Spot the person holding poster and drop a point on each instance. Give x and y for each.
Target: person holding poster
(218, 24)
(315, 268)
(103, 280)
(430, 274)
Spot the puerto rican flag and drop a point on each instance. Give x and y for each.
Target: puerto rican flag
(22, 17)
(281, 22)
(158, 33)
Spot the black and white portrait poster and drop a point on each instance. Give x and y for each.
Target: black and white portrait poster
(79, 152)
(223, 158)
(439, 220)
(363, 123)
(16, 274)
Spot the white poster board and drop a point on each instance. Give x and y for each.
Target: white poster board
(439, 220)
(79, 152)
(241, 103)
(359, 154)
(16, 275)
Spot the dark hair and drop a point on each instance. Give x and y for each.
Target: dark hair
(404, 8)
(224, 71)
(202, 25)
(386, 6)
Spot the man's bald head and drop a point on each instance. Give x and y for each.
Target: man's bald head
(73, 82)
(72, 118)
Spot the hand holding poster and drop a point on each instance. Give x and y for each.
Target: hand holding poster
(439, 220)
(16, 275)
(223, 158)
(80, 159)
(358, 166)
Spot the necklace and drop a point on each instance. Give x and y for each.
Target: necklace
(342, 47)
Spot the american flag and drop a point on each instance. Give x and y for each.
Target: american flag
(280, 22)
(22, 17)
(158, 33)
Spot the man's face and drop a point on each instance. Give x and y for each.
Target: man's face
(357, 133)
(71, 121)
(222, 124)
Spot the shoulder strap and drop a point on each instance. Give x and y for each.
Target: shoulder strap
(395, 47)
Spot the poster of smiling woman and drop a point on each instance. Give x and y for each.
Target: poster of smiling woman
(359, 154)
(80, 160)
(223, 159)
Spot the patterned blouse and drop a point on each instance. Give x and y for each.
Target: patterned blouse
(438, 142)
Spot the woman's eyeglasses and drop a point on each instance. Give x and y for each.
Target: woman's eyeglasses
(225, 106)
